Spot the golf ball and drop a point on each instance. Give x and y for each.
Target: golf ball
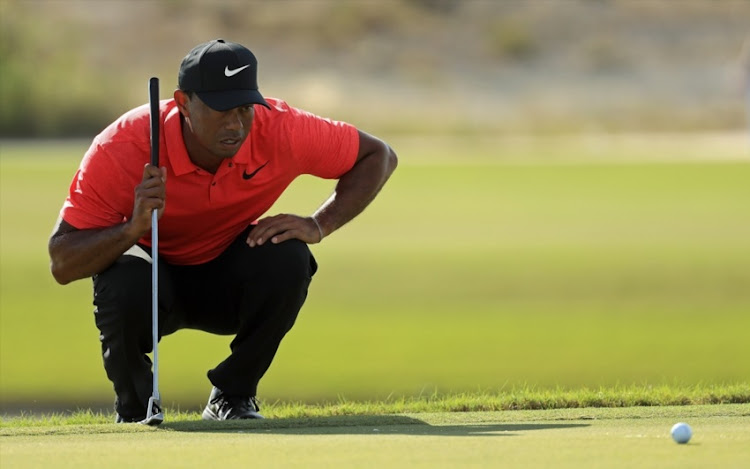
(681, 432)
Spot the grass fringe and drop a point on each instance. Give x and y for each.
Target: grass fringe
(526, 398)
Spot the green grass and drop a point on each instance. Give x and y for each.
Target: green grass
(506, 400)
(564, 438)
(503, 267)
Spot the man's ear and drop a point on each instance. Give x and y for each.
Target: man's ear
(182, 99)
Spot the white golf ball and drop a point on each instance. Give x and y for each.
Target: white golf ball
(681, 432)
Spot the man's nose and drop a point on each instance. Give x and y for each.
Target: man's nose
(234, 120)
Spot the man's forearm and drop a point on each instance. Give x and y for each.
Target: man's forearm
(77, 254)
(356, 189)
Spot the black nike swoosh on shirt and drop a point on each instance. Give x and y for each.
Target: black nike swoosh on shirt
(246, 176)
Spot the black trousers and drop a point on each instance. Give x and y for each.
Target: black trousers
(255, 293)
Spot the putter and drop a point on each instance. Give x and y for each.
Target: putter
(154, 415)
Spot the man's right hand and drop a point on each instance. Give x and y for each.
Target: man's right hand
(150, 195)
(76, 254)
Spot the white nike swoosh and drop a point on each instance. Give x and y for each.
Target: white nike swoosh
(231, 73)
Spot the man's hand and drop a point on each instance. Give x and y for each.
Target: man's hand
(76, 254)
(282, 227)
(150, 195)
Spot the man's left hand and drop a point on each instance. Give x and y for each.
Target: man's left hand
(282, 227)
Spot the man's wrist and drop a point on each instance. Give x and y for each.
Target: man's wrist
(320, 229)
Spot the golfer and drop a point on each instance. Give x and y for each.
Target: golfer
(227, 154)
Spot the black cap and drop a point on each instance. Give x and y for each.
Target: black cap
(223, 74)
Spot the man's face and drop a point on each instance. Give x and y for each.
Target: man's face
(220, 133)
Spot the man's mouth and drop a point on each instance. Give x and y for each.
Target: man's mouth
(230, 142)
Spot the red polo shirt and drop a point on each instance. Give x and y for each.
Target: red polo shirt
(205, 212)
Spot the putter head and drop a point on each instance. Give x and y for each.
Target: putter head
(154, 415)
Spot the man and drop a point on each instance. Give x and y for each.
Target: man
(227, 154)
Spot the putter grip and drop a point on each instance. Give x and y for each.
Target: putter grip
(153, 95)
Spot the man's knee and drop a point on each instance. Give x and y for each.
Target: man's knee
(289, 266)
(288, 262)
(292, 263)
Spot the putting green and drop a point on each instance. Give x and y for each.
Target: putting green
(613, 438)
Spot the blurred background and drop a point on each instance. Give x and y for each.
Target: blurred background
(394, 66)
(570, 208)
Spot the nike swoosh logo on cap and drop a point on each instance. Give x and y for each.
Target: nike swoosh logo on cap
(231, 73)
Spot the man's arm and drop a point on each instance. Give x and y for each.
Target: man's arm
(76, 254)
(354, 191)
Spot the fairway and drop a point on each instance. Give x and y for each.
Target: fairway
(508, 266)
(568, 438)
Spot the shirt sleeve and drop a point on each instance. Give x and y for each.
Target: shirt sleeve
(321, 147)
(101, 193)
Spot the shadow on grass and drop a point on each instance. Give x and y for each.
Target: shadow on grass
(360, 425)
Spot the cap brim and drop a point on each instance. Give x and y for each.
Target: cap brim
(230, 99)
